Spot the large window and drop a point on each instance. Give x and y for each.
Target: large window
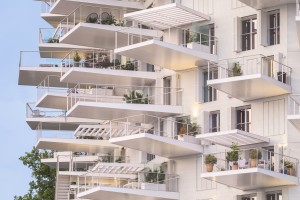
(209, 93)
(243, 116)
(214, 121)
(274, 27)
(277, 195)
(249, 32)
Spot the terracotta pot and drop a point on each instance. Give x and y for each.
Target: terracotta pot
(235, 167)
(209, 167)
(253, 163)
(290, 171)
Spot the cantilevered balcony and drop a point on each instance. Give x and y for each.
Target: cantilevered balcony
(250, 78)
(107, 102)
(190, 50)
(66, 141)
(154, 135)
(294, 110)
(101, 26)
(252, 169)
(50, 47)
(103, 67)
(33, 69)
(51, 119)
(241, 138)
(64, 7)
(262, 4)
(160, 187)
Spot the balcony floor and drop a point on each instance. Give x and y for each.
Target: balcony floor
(251, 179)
(166, 55)
(76, 145)
(52, 19)
(65, 7)
(158, 145)
(295, 120)
(104, 36)
(250, 87)
(101, 192)
(261, 4)
(109, 77)
(110, 111)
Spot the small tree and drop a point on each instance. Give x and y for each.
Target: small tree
(43, 184)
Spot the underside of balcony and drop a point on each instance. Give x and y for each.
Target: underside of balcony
(108, 76)
(109, 111)
(251, 179)
(164, 54)
(262, 4)
(158, 145)
(250, 87)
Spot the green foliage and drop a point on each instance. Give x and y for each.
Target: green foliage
(233, 155)
(136, 97)
(287, 164)
(155, 176)
(236, 69)
(110, 20)
(42, 187)
(51, 40)
(210, 159)
(76, 57)
(255, 154)
(128, 66)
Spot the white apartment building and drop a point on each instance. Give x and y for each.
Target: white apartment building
(168, 99)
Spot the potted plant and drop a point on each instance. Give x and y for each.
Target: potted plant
(236, 69)
(136, 97)
(182, 131)
(154, 180)
(210, 161)
(289, 167)
(233, 156)
(119, 160)
(76, 59)
(254, 155)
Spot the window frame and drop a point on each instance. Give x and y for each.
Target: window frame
(218, 118)
(275, 29)
(246, 122)
(210, 94)
(276, 193)
(253, 35)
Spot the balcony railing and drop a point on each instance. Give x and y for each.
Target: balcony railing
(294, 104)
(189, 39)
(99, 60)
(151, 181)
(90, 14)
(125, 94)
(46, 35)
(34, 112)
(46, 5)
(33, 59)
(252, 158)
(155, 125)
(249, 65)
(46, 87)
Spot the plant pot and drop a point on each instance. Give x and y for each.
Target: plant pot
(209, 167)
(253, 163)
(290, 171)
(283, 171)
(235, 167)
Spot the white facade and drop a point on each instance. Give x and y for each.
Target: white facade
(227, 66)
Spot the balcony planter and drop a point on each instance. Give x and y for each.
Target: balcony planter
(199, 47)
(210, 161)
(188, 138)
(235, 166)
(153, 186)
(254, 155)
(233, 156)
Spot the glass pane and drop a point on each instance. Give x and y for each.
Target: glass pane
(246, 26)
(272, 20)
(246, 42)
(254, 25)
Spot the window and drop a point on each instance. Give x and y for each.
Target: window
(243, 116)
(249, 32)
(209, 93)
(274, 27)
(150, 157)
(248, 197)
(214, 121)
(277, 195)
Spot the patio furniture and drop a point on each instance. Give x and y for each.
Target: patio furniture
(92, 18)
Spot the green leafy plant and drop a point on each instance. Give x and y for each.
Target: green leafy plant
(255, 154)
(288, 164)
(236, 69)
(110, 20)
(51, 40)
(210, 159)
(76, 57)
(136, 97)
(155, 176)
(233, 155)
(128, 66)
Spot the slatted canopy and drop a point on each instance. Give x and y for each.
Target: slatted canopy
(167, 16)
(118, 168)
(227, 138)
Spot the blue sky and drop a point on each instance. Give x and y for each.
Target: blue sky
(19, 31)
